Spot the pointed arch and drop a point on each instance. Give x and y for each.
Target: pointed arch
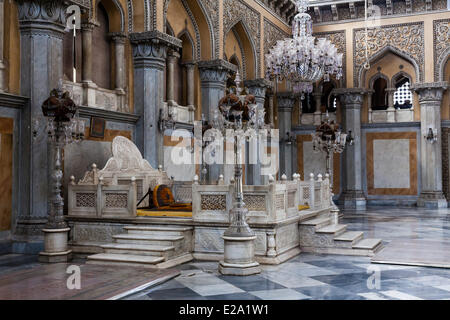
(204, 31)
(441, 63)
(249, 51)
(184, 34)
(379, 55)
(116, 14)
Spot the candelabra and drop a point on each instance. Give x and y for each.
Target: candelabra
(329, 139)
(63, 127)
(238, 117)
(431, 136)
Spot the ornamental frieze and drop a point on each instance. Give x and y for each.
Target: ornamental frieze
(235, 11)
(441, 41)
(404, 39)
(271, 35)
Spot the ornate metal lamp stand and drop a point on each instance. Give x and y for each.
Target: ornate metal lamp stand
(329, 139)
(59, 110)
(239, 252)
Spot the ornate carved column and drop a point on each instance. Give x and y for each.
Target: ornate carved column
(351, 103)
(172, 58)
(285, 101)
(86, 35)
(270, 95)
(390, 109)
(149, 55)
(3, 80)
(213, 77)
(190, 82)
(119, 39)
(430, 100)
(42, 24)
(318, 113)
(257, 88)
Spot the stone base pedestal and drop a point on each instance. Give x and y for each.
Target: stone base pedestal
(353, 200)
(55, 246)
(432, 200)
(239, 257)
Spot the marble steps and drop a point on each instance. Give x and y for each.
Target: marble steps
(162, 240)
(319, 235)
(157, 230)
(148, 246)
(140, 249)
(348, 239)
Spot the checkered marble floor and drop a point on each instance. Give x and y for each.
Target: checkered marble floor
(314, 276)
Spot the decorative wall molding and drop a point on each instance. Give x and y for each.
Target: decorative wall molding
(235, 11)
(441, 41)
(405, 40)
(272, 34)
(198, 48)
(350, 11)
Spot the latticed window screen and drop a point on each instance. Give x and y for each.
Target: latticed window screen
(403, 93)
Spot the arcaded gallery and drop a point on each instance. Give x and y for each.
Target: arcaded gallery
(224, 150)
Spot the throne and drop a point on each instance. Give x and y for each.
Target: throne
(115, 190)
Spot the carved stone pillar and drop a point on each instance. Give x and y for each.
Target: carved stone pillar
(318, 113)
(257, 88)
(369, 103)
(119, 40)
(270, 95)
(149, 55)
(390, 109)
(86, 35)
(430, 100)
(3, 80)
(190, 83)
(213, 77)
(172, 58)
(285, 101)
(351, 103)
(41, 26)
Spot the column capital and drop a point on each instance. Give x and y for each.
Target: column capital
(430, 92)
(258, 87)
(350, 97)
(88, 25)
(40, 16)
(150, 48)
(189, 64)
(215, 70)
(118, 37)
(285, 101)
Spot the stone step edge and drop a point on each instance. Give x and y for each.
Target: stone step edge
(158, 228)
(356, 235)
(137, 247)
(333, 229)
(149, 237)
(126, 258)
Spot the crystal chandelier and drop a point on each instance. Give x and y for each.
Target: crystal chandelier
(303, 59)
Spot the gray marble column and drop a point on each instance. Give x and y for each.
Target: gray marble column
(286, 102)
(213, 78)
(3, 80)
(430, 100)
(86, 37)
(149, 55)
(172, 59)
(41, 24)
(119, 40)
(351, 104)
(258, 88)
(190, 83)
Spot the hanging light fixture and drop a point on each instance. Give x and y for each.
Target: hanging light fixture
(303, 59)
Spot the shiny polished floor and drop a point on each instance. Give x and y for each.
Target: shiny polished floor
(311, 276)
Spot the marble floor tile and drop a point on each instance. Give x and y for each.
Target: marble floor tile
(280, 294)
(290, 280)
(400, 295)
(234, 296)
(252, 283)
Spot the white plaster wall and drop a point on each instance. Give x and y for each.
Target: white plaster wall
(391, 163)
(313, 162)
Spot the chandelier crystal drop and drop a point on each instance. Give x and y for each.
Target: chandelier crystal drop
(303, 59)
